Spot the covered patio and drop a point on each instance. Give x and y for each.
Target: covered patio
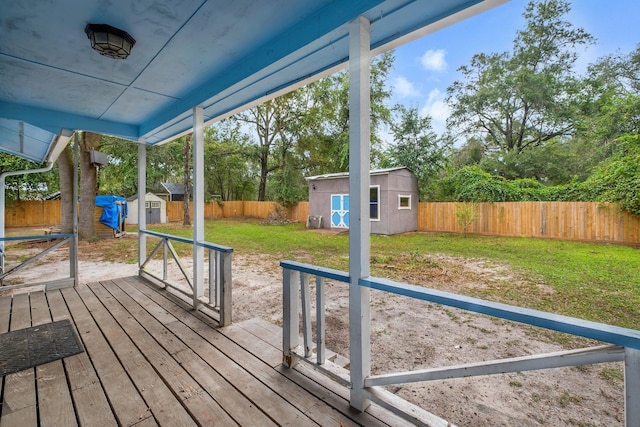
(154, 356)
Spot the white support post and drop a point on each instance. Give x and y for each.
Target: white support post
(320, 326)
(224, 286)
(73, 253)
(198, 205)
(306, 314)
(359, 223)
(290, 326)
(632, 387)
(142, 191)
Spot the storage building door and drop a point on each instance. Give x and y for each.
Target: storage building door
(340, 211)
(153, 212)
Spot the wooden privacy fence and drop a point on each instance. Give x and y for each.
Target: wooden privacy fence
(588, 221)
(238, 209)
(33, 213)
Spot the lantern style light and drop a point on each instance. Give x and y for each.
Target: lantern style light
(109, 41)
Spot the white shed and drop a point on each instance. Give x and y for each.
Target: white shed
(156, 208)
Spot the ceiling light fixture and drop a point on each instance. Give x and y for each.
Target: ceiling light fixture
(109, 41)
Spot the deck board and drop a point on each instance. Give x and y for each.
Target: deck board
(149, 360)
(55, 405)
(19, 393)
(128, 406)
(92, 404)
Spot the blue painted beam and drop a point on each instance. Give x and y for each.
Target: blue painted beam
(555, 322)
(327, 273)
(55, 121)
(206, 245)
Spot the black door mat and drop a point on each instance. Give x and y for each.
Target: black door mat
(26, 348)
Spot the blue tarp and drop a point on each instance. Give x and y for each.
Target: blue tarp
(111, 210)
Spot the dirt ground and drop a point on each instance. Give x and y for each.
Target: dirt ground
(408, 334)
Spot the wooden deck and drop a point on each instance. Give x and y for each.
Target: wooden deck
(149, 361)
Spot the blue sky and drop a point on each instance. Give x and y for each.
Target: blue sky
(426, 67)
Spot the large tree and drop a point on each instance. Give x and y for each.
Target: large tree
(88, 186)
(416, 147)
(272, 123)
(523, 98)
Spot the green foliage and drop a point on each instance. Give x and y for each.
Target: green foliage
(466, 214)
(229, 160)
(287, 186)
(520, 99)
(28, 186)
(418, 148)
(615, 180)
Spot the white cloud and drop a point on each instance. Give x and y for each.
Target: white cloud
(436, 107)
(433, 60)
(404, 88)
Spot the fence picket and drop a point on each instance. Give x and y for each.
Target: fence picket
(588, 221)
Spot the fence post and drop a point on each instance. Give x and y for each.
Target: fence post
(632, 387)
(290, 316)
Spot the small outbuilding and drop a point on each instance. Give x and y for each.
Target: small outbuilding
(155, 207)
(171, 192)
(393, 201)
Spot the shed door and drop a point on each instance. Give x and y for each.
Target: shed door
(153, 212)
(340, 211)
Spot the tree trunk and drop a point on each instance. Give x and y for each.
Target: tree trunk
(65, 172)
(88, 185)
(187, 181)
(264, 171)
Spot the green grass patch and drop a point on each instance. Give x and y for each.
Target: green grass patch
(591, 281)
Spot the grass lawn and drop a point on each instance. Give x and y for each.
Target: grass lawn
(591, 281)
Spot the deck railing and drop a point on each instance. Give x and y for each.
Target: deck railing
(57, 241)
(218, 277)
(621, 344)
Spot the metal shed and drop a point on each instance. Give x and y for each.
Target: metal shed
(155, 207)
(393, 201)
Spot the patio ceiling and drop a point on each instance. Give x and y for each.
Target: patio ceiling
(219, 55)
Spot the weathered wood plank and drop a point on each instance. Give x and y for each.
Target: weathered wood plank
(314, 382)
(295, 395)
(54, 398)
(128, 406)
(197, 401)
(5, 318)
(88, 396)
(254, 345)
(164, 405)
(223, 374)
(19, 398)
(5, 313)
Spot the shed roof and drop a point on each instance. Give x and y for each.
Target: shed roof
(216, 54)
(346, 174)
(173, 188)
